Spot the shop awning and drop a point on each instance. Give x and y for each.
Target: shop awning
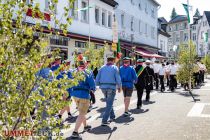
(143, 52)
(147, 54)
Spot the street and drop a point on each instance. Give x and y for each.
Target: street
(166, 117)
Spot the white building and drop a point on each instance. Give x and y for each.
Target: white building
(203, 47)
(95, 22)
(163, 37)
(178, 30)
(137, 23)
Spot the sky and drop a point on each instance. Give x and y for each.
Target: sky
(167, 6)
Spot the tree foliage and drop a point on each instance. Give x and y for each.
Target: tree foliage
(20, 53)
(187, 61)
(173, 13)
(95, 55)
(206, 62)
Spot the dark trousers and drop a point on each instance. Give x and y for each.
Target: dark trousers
(168, 80)
(156, 80)
(148, 94)
(140, 92)
(162, 82)
(172, 82)
(202, 73)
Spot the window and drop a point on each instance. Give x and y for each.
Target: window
(122, 20)
(194, 36)
(153, 32)
(140, 5)
(46, 4)
(132, 2)
(97, 15)
(202, 34)
(110, 20)
(73, 6)
(132, 22)
(194, 28)
(80, 44)
(84, 13)
(28, 2)
(185, 36)
(146, 7)
(139, 26)
(104, 18)
(203, 24)
(61, 41)
(177, 27)
(177, 37)
(208, 46)
(146, 28)
(55, 8)
(153, 12)
(185, 25)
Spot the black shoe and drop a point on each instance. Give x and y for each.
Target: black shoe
(105, 123)
(127, 114)
(138, 107)
(87, 128)
(112, 120)
(75, 135)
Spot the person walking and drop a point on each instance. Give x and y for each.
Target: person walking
(128, 77)
(148, 79)
(81, 96)
(156, 67)
(140, 85)
(162, 75)
(108, 79)
(173, 71)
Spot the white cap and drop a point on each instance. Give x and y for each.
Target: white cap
(148, 61)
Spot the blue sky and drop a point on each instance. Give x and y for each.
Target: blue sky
(167, 6)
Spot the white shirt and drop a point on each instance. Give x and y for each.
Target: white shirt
(162, 71)
(173, 70)
(156, 67)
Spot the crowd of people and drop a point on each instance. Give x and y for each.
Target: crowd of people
(143, 76)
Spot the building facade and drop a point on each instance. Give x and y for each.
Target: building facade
(137, 25)
(94, 23)
(203, 43)
(163, 37)
(178, 31)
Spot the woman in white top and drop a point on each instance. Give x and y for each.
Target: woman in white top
(162, 74)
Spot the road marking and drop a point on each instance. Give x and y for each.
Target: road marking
(97, 115)
(197, 109)
(204, 89)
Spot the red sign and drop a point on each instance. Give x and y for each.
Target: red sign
(37, 15)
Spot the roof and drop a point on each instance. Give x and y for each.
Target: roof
(162, 20)
(162, 32)
(156, 2)
(207, 13)
(178, 18)
(112, 3)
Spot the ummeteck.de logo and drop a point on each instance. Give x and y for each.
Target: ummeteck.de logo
(26, 133)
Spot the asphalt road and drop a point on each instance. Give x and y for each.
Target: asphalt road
(169, 116)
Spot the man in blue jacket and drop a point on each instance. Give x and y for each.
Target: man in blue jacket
(108, 79)
(128, 77)
(81, 96)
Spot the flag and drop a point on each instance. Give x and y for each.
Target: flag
(119, 54)
(186, 7)
(85, 8)
(205, 37)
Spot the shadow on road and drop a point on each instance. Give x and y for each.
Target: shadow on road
(125, 120)
(187, 94)
(99, 130)
(148, 103)
(139, 111)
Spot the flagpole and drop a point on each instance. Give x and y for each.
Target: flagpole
(89, 22)
(190, 80)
